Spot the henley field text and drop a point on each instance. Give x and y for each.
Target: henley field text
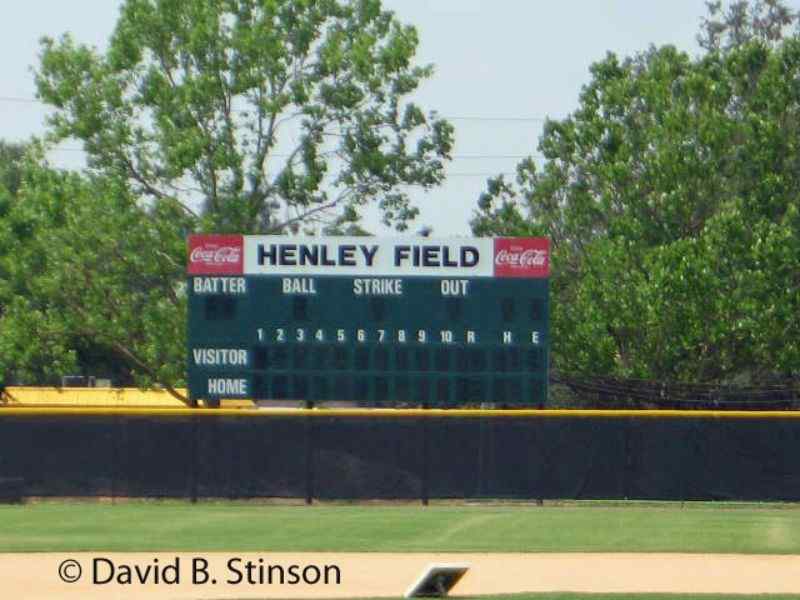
(283, 255)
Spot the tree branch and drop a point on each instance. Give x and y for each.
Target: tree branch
(312, 212)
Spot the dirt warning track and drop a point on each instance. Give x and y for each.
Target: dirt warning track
(36, 576)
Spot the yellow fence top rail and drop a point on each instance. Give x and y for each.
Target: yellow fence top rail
(386, 413)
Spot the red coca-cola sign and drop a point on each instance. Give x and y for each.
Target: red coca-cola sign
(216, 255)
(521, 257)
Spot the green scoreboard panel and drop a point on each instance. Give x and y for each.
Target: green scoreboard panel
(379, 322)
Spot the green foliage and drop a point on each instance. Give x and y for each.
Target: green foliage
(84, 266)
(11, 160)
(742, 22)
(234, 115)
(671, 198)
(270, 114)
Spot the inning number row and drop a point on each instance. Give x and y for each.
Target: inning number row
(401, 336)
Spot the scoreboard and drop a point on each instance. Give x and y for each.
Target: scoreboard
(374, 321)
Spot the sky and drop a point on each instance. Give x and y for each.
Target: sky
(501, 67)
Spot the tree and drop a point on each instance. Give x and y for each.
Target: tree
(90, 276)
(671, 197)
(199, 101)
(767, 21)
(253, 116)
(22, 260)
(11, 159)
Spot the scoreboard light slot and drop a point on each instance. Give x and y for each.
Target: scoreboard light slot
(280, 387)
(476, 390)
(362, 359)
(537, 311)
(361, 389)
(470, 391)
(499, 391)
(462, 360)
(381, 390)
(534, 359)
(377, 309)
(462, 389)
(536, 393)
(321, 358)
(341, 388)
(299, 387)
(220, 308)
(340, 358)
(280, 358)
(514, 359)
(499, 360)
(300, 308)
(514, 387)
(442, 362)
(422, 387)
(477, 360)
(260, 358)
(260, 387)
(319, 389)
(443, 392)
(299, 358)
(381, 359)
(507, 310)
(401, 359)
(421, 359)
(454, 309)
(402, 389)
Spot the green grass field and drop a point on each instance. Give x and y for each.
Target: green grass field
(224, 526)
(570, 596)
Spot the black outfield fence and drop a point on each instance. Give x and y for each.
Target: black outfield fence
(415, 456)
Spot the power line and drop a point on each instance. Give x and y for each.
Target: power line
(61, 149)
(456, 174)
(499, 156)
(480, 174)
(21, 100)
(520, 119)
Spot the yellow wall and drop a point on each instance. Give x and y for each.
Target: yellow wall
(120, 397)
(48, 396)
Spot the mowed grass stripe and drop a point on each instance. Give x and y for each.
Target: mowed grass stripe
(167, 526)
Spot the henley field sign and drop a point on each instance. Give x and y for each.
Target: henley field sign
(374, 321)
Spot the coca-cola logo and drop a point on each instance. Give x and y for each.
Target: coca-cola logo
(521, 257)
(517, 257)
(211, 255)
(216, 254)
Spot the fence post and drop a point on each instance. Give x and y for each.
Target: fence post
(193, 448)
(627, 471)
(309, 446)
(426, 455)
(483, 443)
(116, 432)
